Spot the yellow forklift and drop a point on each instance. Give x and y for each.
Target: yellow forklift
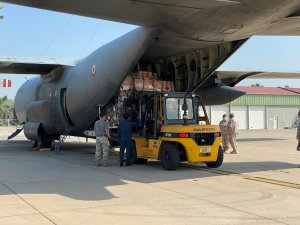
(174, 127)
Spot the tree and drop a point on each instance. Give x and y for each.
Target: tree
(6, 108)
(256, 85)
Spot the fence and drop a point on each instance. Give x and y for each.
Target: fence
(9, 123)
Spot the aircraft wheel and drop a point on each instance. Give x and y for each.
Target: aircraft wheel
(169, 156)
(44, 140)
(219, 161)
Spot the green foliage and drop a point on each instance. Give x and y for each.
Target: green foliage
(6, 108)
(256, 85)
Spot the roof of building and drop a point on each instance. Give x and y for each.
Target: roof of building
(296, 90)
(269, 90)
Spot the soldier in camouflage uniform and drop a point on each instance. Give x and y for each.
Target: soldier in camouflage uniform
(224, 132)
(298, 133)
(102, 143)
(233, 130)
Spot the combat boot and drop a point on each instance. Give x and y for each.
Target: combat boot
(233, 152)
(104, 163)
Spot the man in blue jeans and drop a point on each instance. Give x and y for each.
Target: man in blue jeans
(125, 130)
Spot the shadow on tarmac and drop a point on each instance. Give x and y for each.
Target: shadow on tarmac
(72, 174)
(259, 139)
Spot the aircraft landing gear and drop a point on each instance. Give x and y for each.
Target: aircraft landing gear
(44, 141)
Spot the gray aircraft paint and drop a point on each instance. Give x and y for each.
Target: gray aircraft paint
(92, 82)
(187, 25)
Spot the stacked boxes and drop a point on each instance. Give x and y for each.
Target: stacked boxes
(127, 84)
(146, 81)
(157, 85)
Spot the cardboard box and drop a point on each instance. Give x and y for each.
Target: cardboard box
(148, 85)
(168, 86)
(139, 75)
(147, 75)
(139, 84)
(127, 84)
(157, 85)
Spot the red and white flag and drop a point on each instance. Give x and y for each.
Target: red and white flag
(5, 83)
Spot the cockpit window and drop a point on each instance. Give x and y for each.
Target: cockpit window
(174, 108)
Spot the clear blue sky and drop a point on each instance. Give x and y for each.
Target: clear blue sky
(28, 32)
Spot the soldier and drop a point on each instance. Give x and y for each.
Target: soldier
(125, 130)
(298, 132)
(233, 129)
(102, 143)
(224, 132)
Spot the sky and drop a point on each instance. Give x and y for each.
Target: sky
(29, 32)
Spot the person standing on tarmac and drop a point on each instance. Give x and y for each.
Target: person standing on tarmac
(233, 130)
(298, 133)
(224, 132)
(102, 143)
(125, 130)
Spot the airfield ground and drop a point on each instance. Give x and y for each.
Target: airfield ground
(260, 185)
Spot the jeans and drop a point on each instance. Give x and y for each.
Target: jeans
(126, 143)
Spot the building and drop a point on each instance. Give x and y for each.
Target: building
(261, 108)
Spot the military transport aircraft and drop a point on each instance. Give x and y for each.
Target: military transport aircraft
(182, 40)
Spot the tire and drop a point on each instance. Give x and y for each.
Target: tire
(35, 144)
(135, 159)
(169, 156)
(44, 141)
(219, 161)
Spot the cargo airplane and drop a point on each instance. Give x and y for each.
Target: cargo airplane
(184, 41)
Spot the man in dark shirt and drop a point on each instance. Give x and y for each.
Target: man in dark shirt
(125, 130)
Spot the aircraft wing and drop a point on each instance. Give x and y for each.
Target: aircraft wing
(187, 25)
(231, 78)
(287, 26)
(146, 13)
(32, 65)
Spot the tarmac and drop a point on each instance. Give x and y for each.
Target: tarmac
(259, 185)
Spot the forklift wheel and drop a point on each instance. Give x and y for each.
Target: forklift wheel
(169, 156)
(219, 161)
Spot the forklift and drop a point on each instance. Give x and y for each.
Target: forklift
(173, 127)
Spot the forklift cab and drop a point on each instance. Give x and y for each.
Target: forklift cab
(167, 109)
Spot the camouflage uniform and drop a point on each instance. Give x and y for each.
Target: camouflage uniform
(102, 143)
(224, 132)
(233, 129)
(298, 137)
(102, 147)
